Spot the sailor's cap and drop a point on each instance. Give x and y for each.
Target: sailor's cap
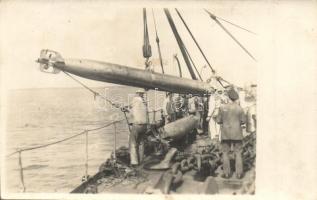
(140, 91)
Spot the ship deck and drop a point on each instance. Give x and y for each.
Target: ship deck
(152, 181)
(189, 185)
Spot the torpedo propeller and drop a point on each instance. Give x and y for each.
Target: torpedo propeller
(48, 59)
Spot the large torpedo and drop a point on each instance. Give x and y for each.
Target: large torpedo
(123, 75)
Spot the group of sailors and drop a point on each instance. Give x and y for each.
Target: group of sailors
(220, 115)
(176, 106)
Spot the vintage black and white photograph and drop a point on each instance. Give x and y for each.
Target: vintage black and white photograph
(126, 98)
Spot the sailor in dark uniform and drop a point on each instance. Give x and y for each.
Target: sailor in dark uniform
(231, 117)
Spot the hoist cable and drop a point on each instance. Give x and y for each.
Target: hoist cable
(158, 42)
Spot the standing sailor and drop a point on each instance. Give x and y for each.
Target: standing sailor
(178, 105)
(200, 113)
(251, 111)
(215, 101)
(195, 107)
(138, 113)
(192, 104)
(251, 119)
(212, 125)
(231, 117)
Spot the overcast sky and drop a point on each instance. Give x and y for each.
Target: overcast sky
(113, 32)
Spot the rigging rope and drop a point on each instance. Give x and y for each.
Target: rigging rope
(212, 16)
(201, 51)
(103, 97)
(97, 93)
(180, 43)
(236, 25)
(191, 60)
(158, 42)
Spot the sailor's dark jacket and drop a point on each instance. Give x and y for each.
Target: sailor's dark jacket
(231, 117)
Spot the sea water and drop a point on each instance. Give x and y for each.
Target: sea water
(40, 116)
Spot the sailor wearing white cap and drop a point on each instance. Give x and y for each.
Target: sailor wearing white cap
(138, 113)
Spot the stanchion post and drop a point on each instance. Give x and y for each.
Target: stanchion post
(86, 164)
(115, 140)
(21, 170)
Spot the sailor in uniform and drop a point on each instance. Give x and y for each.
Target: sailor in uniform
(168, 107)
(215, 101)
(138, 121)
(231, 117)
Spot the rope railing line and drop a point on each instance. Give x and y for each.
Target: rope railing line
(65, 139)
(86, 132)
